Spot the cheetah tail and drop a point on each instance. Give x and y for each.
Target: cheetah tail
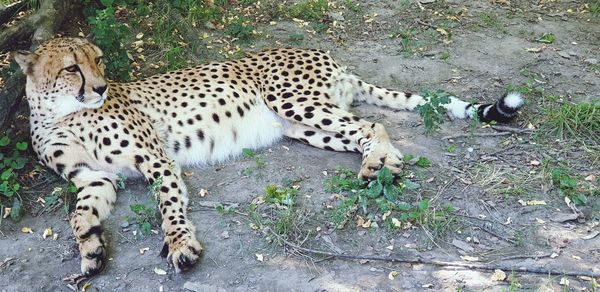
(502, 111)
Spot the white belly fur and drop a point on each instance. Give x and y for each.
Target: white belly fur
(260, 127)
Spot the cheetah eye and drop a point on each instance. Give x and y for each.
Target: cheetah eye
(72, 69)
(99, 60)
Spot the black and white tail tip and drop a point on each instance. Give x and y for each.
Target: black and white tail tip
(504, 110)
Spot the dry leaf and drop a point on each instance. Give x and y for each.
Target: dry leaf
(139, 35)
(55, 236)
(590, 178)
(553, 255)
(498, 275)
(564, 281)
(259, 257)
(540, 221)
(442, 31)
(203, 193)
(385, 215)
(360, 222)
(535, 203)
(7, 212)
(392, 275)
(534, 163)
(26, 230)
(253, 226)
(390, 247)
(143, 250)
(396, 222)
(47, 232)
(188, 173)
(159, 271)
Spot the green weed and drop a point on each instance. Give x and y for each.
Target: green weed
(146, 217)
(433, 111)
(547, 38)
(259, 161)
(568, 185)
(492, 21)
(408, 40)
(11, 161)
(381, 195)
(445, 56)
(241, 29)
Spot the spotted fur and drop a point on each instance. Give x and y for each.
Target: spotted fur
(87, 129)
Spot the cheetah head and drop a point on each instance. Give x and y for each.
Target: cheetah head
(64, 75)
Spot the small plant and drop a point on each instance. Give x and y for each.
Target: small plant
(433, 111)
(241, 29)
(547, 38)
(451, 148)
(567, 186)
(408, 40)
(445, 56)
(109, 35)
(280, 196)
(11, 161)
(259, 161)
(145, 218)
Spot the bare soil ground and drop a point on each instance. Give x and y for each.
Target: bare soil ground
(482, 178)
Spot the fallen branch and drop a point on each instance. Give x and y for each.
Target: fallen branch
(477, 266)
(476, 135)
(511, 129)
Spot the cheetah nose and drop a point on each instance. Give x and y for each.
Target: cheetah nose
(100, 89)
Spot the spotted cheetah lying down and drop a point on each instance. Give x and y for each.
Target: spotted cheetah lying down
(87, 129)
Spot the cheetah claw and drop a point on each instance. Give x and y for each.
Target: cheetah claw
(183, 255)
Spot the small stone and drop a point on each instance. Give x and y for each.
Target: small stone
(564, 55)
(225, 234)
(124, 224)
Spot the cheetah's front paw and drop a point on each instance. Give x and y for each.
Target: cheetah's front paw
(93, 256)
(389, 157)
(183, 253)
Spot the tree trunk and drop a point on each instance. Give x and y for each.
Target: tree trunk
(36, 28)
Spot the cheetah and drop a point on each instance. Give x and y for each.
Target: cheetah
(87, 129)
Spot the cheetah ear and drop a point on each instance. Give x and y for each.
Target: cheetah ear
(25, 59)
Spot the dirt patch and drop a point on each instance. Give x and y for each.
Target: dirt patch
(491, 182)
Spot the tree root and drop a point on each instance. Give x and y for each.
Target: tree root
(8, 12)
(418, 260)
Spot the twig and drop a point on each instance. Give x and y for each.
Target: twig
(511, 129)
(476, 135)
(477, 266)
(516, 257)
(425, 24)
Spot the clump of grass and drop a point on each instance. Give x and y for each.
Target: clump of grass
(278, 209)
(310, 10)
(568, 185)
(579, 122)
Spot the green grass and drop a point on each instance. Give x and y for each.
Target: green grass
(578, 122)
(310, 10)
(492, 21)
